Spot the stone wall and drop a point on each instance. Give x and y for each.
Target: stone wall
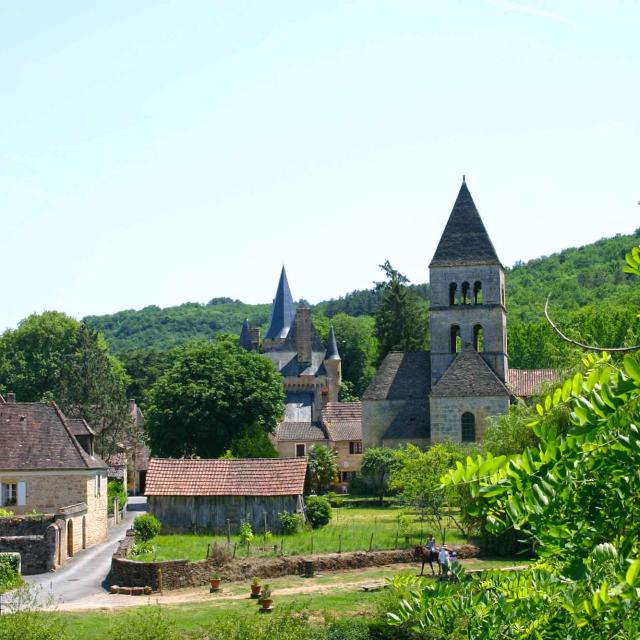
(446, 415)
(35, 538)
(347, 461)
(287, 448)
(377, 415)
(177, 574)
(96, 520)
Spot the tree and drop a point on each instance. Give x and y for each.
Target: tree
(32, 356)
(377, 463)
(92, 386)
(211, 395)
(322, 467)
(401, 321)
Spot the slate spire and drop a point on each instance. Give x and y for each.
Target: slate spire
(283, 310)
(465, 240)
(245, 336)
(332, 347)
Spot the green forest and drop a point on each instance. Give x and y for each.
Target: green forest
(590, 298)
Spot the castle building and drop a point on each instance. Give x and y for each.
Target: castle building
(449, 392)
(312, 377)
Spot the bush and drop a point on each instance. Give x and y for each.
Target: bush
(5, 513)
(24, 619)
(115, 489)
(291, 522)
(148, 623)
(246, 533)
(318, 511)
(335, 500)
(146, 527)
(9, 571)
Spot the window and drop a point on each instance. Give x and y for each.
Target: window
(477, 292)
(301, 450)
(456, 340)
(468, 427)
(466, 298)
(9, 494)
(355, 447)
(98, 486)
(452, 293)
(348, 476)
(478, 338)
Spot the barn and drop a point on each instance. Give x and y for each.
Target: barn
(189, 495)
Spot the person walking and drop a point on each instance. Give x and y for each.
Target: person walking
(443, 560)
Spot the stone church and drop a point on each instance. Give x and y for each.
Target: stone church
(449, 392)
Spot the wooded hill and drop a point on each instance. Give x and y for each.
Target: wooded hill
(590, 296)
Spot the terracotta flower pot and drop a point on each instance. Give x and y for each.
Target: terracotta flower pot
(215, 584)
(266, 602)
(255, 590)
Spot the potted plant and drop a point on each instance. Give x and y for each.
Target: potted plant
(266, 600)
(255, 587)
(215, 583)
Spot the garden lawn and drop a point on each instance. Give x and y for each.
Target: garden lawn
(350, 529)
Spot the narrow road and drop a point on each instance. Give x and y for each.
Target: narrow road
(85, 574)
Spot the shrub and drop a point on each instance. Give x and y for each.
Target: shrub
(115, 489)
(220, 554)
(146, 527)
(9, 571)
(5, 513)
(335, 500)
(148, 623)
(23, 618)
(318, 511)
(291, 522)
(246, 532)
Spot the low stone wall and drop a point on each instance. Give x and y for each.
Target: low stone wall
(35, 538)
(177, 574)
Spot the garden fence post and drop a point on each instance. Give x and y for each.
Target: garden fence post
(208, 549)
(282, 547)
(235, 545)
(371, 542)
(397, 532)
(340, 543)
(228, 531)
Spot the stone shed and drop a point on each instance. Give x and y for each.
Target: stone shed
(189, 495)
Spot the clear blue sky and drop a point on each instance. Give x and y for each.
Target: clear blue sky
(162, 152)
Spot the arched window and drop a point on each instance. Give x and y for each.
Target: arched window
(456, 340)
(468, 427)
(466, 291)
(477, 292)
(453, 288)
(478, 338)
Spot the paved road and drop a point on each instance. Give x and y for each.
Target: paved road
(84, 575)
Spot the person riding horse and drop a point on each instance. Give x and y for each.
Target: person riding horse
(426, 553)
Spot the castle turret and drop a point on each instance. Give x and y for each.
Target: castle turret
(467, 293)
(282, 315)
(333, 366)
(245, 336)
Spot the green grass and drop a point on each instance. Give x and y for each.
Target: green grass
(351, 529)
(344, 600)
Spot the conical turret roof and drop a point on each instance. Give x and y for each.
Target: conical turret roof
(465, 239)
(332, 347)
(245, 336)
(284, 310)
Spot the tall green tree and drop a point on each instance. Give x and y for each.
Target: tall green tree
(322, 467)
(213, 392)
(377, 463)
(402, 322)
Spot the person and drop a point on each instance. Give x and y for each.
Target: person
(454, 558)
(443, 560)
(431, 543)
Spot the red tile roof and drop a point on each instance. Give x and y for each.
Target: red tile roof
(248, 477)
(526, 382)
(343, 420)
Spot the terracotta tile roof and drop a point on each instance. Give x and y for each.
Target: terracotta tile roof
(469, 375)
(299, 431)
(525, 382)
(248, 477)
(401, 376)
(342, 420)
(35, 435)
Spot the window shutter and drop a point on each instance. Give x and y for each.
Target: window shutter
(22, 493)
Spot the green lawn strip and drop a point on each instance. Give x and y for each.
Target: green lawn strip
(351, 529)
(95, 625)
(346, 599)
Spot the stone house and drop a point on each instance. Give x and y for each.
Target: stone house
(216, 495)
(312, 377)
(449, 392)
(46, 468)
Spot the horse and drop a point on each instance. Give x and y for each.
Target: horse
(423, 554)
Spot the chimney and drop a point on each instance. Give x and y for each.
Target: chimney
(132, 404)
(11, 398)
(254, 332)
(303, 334)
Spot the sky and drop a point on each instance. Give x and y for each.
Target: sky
(159, 152)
